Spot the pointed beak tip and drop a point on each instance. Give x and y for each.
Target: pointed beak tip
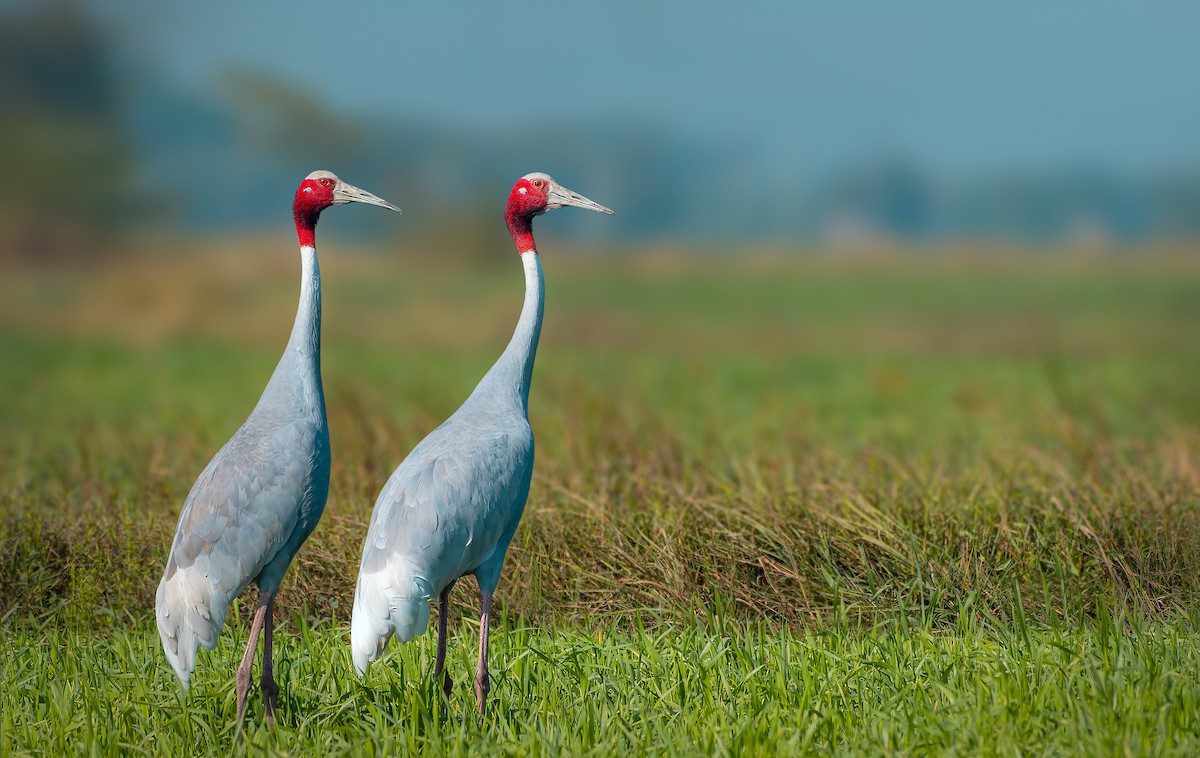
(348, 193)
(377, 202)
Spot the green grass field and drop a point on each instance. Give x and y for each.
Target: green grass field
(1097, 689)
(938, 505)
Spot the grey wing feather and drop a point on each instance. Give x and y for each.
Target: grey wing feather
(446, 510)
(450, 502)
(258, 494)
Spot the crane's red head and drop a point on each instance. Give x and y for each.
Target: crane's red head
(533, 195)
(318, 191)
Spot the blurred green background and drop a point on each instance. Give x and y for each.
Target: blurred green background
(852, 127)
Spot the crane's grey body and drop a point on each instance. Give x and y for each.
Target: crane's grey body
(262, 494)
(451, 508)
(256, 501)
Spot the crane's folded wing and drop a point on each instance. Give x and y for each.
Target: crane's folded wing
(448, 504)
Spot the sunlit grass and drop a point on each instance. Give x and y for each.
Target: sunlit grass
(1097, 688)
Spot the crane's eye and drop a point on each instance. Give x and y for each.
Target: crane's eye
(325, 181)
(538, 183)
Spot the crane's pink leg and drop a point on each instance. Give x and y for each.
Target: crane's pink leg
(243, 671)
(267, 683)
(443, 614)
(483, 684)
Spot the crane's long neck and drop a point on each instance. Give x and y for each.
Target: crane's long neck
(513, 372)
(305, 341)
(296, 384)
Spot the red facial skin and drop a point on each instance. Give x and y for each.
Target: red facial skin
(521, 209)
(312, 197)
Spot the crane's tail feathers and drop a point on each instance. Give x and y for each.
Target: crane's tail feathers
(381, 611)
(188, 618)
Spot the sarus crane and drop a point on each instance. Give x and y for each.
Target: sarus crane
(451, 508)
(262, 494)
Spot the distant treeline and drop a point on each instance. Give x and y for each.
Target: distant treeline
(96, 151)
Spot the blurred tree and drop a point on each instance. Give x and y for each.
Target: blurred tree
(278, 117)
(67, 162)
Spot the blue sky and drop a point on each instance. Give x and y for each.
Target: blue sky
(959, 87)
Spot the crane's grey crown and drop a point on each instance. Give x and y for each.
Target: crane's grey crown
(322, 174)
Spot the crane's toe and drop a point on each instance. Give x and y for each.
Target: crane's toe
(270, 692)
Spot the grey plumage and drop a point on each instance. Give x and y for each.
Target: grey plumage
(452, 506)
(448, 510)
(263, 492)
(249, 511)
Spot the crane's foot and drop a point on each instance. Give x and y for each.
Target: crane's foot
(483, 685)
(270, 692)
(447, 685)
(243, 689)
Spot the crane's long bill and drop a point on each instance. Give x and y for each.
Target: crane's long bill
(560, 196)
(348, 193)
